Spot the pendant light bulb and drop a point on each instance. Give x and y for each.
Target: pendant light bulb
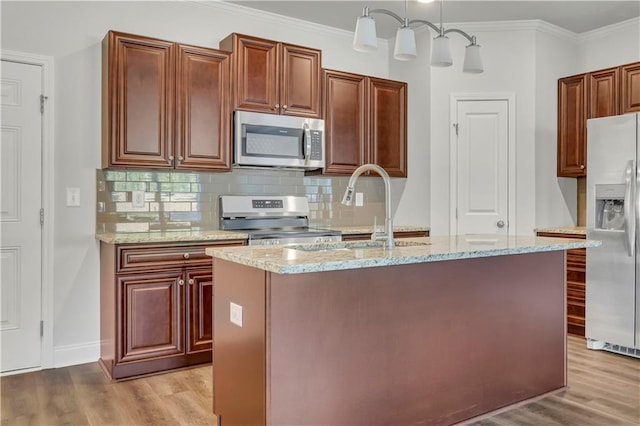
(441, 52)
(405, 48)
(365, 38)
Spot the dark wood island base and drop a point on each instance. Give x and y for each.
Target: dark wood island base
(426, 343)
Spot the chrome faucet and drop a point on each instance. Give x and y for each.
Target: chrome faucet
(388, 222)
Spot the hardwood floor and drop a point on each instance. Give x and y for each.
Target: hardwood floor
(604, 389)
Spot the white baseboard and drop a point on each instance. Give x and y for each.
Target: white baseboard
(64, 356)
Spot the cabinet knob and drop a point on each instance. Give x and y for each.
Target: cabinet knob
(276, 106)
(581, 166)
(181, 281)
(170, 159)
(180, 158)
(186, 255)
(284, 107)
(191, 281)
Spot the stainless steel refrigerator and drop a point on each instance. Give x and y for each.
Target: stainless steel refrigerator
(613, 216)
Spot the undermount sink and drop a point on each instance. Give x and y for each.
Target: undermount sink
(355, 245)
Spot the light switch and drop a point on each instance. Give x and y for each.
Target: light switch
(359, 199)
(137, 198)
(73, 197)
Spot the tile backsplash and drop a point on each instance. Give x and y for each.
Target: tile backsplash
(180, 200)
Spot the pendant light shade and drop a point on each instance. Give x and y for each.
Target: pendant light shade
(405, 48)
(441, 52)
(472, 59)
(365, 39)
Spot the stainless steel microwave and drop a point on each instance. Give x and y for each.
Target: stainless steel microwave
(270, 140)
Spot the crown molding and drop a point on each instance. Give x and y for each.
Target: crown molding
(633, 23)
(523, 25)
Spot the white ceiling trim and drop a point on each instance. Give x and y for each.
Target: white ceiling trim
(605, 31)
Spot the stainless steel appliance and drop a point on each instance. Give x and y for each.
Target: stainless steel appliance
(613, 216)
(272, 220)
(271, 140)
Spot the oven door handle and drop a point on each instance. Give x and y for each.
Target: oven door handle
(306, 142)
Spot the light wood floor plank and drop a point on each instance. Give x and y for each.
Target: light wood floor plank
(604, 389)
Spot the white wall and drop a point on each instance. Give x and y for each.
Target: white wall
(557, 53)
(71, 33)
(609, 46)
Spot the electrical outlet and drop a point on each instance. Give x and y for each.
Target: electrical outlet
(73, 197)
(137, 198)
(235, 314)
(359, 199)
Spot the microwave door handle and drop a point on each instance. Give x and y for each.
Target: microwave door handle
(306, 142)
(629, 219)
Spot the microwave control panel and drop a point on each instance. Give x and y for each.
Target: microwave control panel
(316, 145)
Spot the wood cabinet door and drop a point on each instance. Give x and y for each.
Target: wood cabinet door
(604, 100)
(345, 113)
(572, 124)
(203, 138)
(630, 88)
(388, 125)
(199, 310)
(300, 81)
(138, 93)
(256, 73)
(150, 315)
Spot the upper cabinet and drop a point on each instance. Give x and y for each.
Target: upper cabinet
(630, 91)
(572, 116)
(365, 122)
(164, 105)
(274, 77)
(601, 93)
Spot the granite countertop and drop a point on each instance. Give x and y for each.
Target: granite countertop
(353, 230)
(217, 235)
(365, 254)
(170, 236)
(568, 230)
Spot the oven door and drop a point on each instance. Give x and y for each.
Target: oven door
(278, 141)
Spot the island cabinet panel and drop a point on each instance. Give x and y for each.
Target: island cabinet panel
(365, 122)
(164, 105)
(630, 88)
(430, 343)
(572, 129)
(274, 77)
(155, 307)
(604, 99)
(576, 284)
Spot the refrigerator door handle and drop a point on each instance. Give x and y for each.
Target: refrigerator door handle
(629, 217)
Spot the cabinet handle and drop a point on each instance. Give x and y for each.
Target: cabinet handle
(180, 158)
(186, 255)
(581, 166)
(181, 282)
(284, 107)
(191, 281)
(170, 160)
(276, 106)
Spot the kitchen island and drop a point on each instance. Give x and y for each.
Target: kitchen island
(437, 331)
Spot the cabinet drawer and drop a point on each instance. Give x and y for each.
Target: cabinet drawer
(164, 256)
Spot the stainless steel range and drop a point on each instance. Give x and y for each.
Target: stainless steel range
(272, 219)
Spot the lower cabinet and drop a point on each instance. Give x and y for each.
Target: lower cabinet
(156, 307)
(576, 285)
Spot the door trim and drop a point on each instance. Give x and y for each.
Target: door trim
(47, 185)
(510, 98)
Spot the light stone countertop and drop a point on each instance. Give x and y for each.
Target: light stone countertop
(366, 254)
(170, 236)
(353, 230)
(568, 230)
(217, 235)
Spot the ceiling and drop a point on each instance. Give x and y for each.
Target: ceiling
(573, 15)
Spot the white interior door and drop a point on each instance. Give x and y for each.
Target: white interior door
(20, 228)
(482, 163)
